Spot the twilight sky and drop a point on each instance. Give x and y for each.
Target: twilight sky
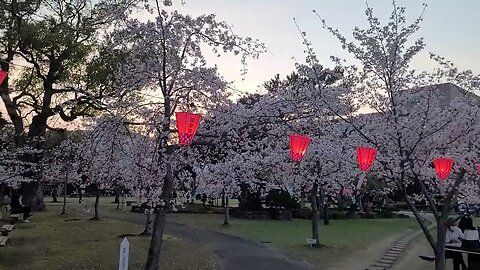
(450, 28)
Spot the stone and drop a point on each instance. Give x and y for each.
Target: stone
(390, 257)
(375, 268)
(384, 265)
(386, 261)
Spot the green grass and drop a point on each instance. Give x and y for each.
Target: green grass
(54, 242)
(342, 237)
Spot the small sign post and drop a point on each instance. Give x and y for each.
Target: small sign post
(124, 251)
(311, 242)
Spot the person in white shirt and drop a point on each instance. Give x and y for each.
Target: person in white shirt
(454, 237)
(454, 234)
(470, 235)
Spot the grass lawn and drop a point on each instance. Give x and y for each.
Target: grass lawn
(343, 238)
(54, 242)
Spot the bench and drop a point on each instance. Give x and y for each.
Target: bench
(137, 208)
(429, 258)
(3, 240)
(6, 229)
(14, 218)
(473, 254)
(130, 203)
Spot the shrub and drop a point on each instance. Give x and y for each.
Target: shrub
(303, 213)
(334, 214)
(280, 199)
(385, 214)
(280, 214)
(352, 215)
(369, 215)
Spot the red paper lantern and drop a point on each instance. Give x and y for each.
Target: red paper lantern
(478, 168)
(443, 166)
(298, 146)
(3, 75)
(187, 124)
(365, 158)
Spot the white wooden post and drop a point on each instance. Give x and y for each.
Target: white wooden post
(124, 252)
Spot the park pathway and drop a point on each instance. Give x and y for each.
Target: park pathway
(234, 253)
(393, 253)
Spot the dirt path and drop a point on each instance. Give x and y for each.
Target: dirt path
(362, 259)
(409, 259)
(234, 253)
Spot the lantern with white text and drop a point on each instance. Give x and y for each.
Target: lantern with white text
(365, 158)
(3, 75)
(443, 166)
(187, 124)
(298, 146)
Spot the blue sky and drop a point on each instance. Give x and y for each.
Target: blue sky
(450, 28)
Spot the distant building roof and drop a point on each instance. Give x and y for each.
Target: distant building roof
(447, 92)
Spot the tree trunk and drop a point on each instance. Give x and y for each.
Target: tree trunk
(32, 192)
(440, 248)
(148, 224)
(341, 200)
(117, 197)
(2, 194)
(80, 194)
(32, 195)
(55, 194)
(326, 218)
(10, 106)
(223, 199)
(97, 200)
(302, 199)
(124, 203)
(315, 214)
(359, 203)
(227, 211)
(64, 198)
(153, 259)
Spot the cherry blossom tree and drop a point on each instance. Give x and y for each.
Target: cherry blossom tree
(61, 166)
(323, 172)
(165, 56)
(223, 179)
(65, 75)
(258, 126)
(417, 117)
(105, 157)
